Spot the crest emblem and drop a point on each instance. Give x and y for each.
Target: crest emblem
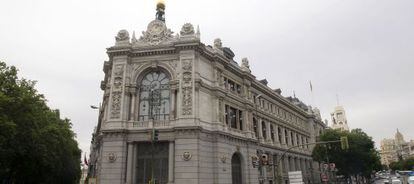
(156, 33)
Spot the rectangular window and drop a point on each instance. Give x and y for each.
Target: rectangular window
(232, 114)
(234, 117)
(286, 137)
(255, 127)
(279, 133)
(238, 89)
(240, 115)
(272, 133)
(226, 109)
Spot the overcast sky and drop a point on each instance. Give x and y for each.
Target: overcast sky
(362, 50)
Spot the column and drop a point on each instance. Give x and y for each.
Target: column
(283, 141)
(294, 138)
(172, 104)
(132, 106)
(287, 164)
(289, 135)
(276, 129)
(171, 163)
(130, 163)
(302, 163)
(134, 164)
(269, 138)
(259, 127)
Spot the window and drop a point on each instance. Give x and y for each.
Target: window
(272, 133)
(307, 143)
(286, 137)
(279, 133)
(154, 98)
(240, 116)
(292, 138)
(255, 127)
(297, 139)
(232, 86)
(234, 117)
(264, 130)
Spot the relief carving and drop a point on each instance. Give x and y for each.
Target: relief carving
(156, 33)
(117, 91)
(187, 87)
(116, 105)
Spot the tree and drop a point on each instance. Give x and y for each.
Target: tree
(36, 145)
(406, 164)
(359, 160)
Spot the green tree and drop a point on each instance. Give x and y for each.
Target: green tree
(406, 164)
(359, 160)
(36, 145)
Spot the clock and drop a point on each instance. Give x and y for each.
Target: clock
(156, 27)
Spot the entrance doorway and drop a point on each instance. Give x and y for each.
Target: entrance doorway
(236, 169)
(160, 162)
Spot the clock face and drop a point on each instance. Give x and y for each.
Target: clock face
(156, 27)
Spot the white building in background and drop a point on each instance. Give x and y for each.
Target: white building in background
(392, 150)
(339, 120)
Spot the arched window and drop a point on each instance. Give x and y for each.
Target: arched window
(154, 97)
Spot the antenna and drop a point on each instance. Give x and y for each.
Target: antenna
(337, 99)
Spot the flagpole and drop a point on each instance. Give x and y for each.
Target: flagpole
(312, 95)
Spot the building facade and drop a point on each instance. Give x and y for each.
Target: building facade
(216, 121)
(393, 150)
(339, 120)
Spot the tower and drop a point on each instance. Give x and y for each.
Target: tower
(339, 120)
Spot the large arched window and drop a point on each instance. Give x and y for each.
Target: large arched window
(154, 97)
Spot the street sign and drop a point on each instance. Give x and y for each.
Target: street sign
(295, 177)
(324, 177)
(332, 166)
(325, 166)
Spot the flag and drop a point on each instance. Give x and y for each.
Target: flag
(310, 85)
(84, 160)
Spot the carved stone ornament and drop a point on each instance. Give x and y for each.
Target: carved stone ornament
(187, 29)
(122, 35)
(186, 156)
(187, 86)
(156, 33)
(117, 91)
(218, 44)
(223, 159)
(112, 157)
(245, 65)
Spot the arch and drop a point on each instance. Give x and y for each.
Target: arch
(141, 69)
(154, 95)
(236, 169)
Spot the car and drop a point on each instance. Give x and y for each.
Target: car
(395, 180)
(410, 180)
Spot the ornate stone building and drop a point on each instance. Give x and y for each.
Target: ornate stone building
(214, 117)
(392, 150)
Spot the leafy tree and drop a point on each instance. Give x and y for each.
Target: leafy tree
(407, 164)
(36, 145)
(359, 160)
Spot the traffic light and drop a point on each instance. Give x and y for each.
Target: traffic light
(155, 134)
(344, 143)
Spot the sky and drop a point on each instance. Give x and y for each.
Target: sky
(358, 53)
